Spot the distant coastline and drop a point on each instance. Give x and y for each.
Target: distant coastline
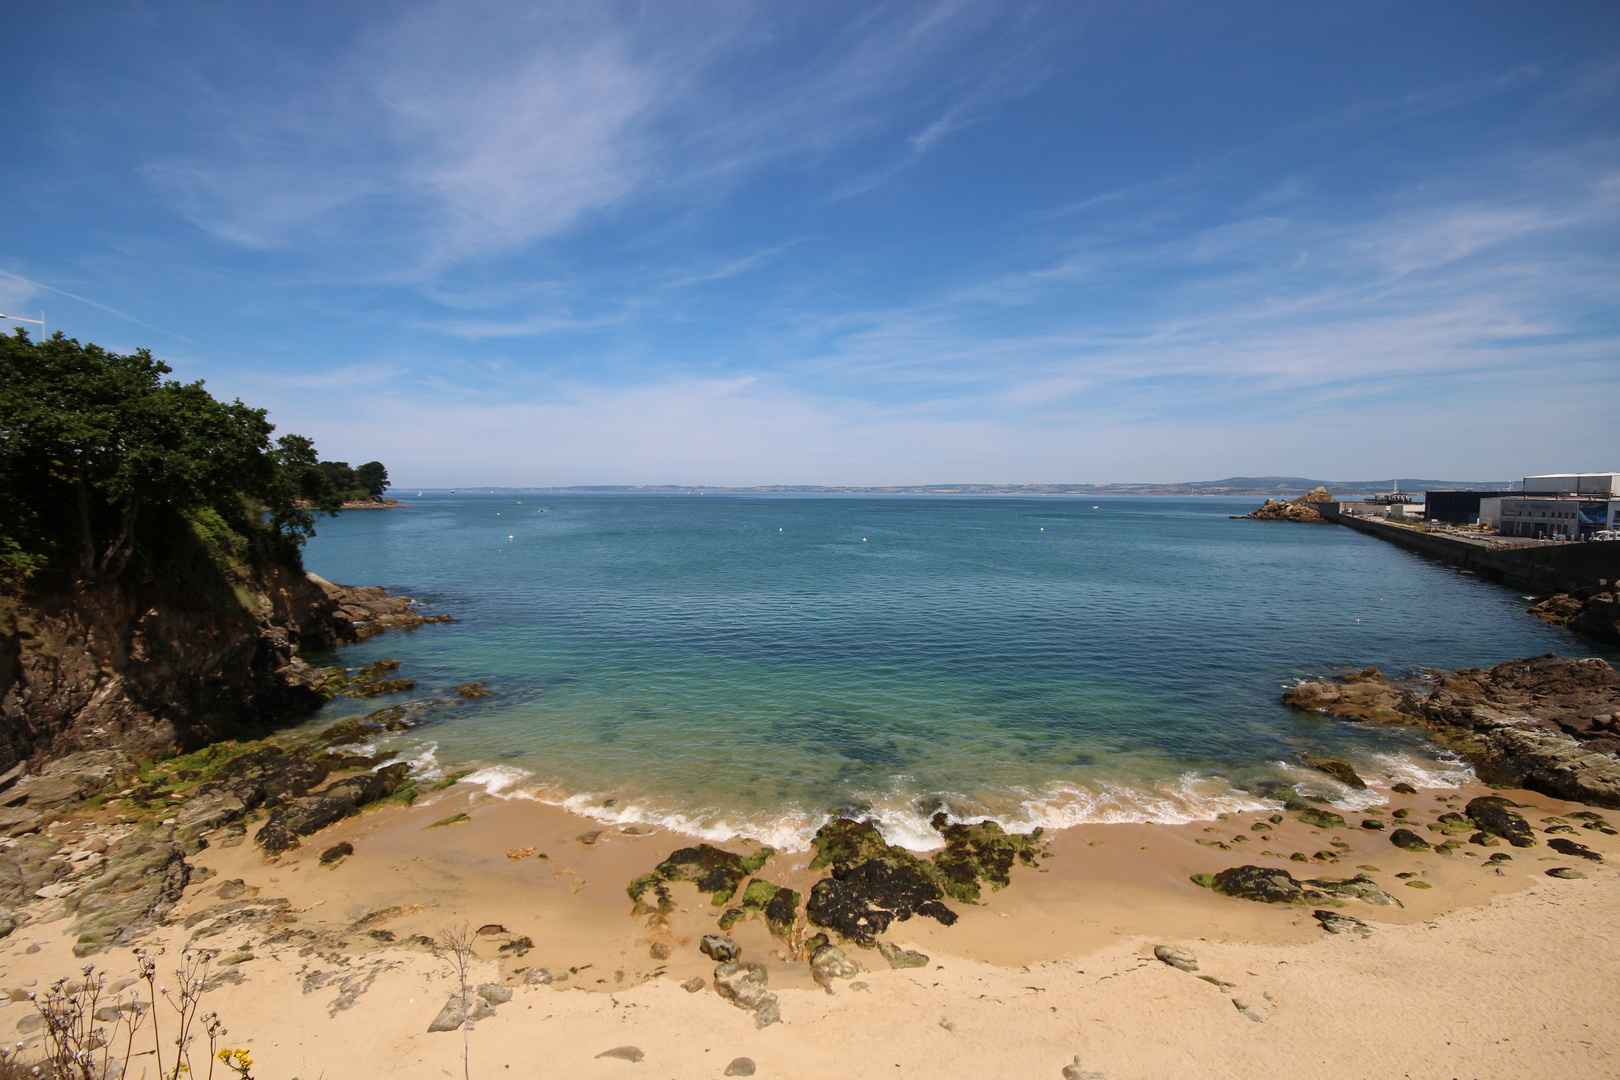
(1231, 486)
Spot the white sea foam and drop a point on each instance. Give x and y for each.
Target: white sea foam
(903, 818)
(501, 781)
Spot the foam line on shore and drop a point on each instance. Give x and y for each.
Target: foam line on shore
(905, 818)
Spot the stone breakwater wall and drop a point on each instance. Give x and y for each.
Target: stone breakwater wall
(1550, 568)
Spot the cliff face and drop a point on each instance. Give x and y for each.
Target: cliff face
(125, 667)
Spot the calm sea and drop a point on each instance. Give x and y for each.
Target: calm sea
(730, 665)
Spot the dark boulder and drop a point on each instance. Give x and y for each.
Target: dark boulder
(1491, 813)
(981, 852)
(312, 813)
(1339, 770)
(719, 949)
(1570, 847)
(1322, 819)
(713, 870)
(862, 901)
(1409, 840)
(1263, 884)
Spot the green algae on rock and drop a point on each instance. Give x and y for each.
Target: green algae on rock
(981, 852)
(713, 870)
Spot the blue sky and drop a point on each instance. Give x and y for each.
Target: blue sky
(737, 243)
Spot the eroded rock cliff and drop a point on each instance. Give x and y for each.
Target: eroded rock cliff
(128, 668)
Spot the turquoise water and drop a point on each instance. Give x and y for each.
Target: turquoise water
(750, 664)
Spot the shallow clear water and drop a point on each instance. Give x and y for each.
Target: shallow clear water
(748, 664)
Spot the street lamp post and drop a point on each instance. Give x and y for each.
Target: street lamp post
(40, 321)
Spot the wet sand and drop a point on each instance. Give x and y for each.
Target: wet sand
(1481, 975)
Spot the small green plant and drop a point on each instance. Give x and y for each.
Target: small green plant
(453, 819)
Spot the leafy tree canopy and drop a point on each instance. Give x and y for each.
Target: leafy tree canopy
(94, 445)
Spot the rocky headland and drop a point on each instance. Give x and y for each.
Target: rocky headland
(1299, 509)
(1593, 611)
(1546, 724)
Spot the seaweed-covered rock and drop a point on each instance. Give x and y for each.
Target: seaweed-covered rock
(744, 985)
(1408, 840)
(829, 962)
(1570, 847)
(1565, 872)
(141, 882)
(1339, 770)
(1336, 923)
(312, 813)
(1260, 883)
(1322, 819)
(1452, 823)
(713, 870)
(779, 907)
(719, 948)
(902, 958)
(1491, 813)
(862, 901)
(981, 852)
(1361, 887)
(872, 885)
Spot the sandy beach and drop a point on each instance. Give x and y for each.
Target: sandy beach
(1483, 974)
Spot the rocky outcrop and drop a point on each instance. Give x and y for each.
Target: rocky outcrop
(369, 609)
(129, 667)
(1591, 611)
(1299, 509)
(311, 813)
(1546, 724)
(1271, 885)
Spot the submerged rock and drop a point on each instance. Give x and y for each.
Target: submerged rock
(1339, 770)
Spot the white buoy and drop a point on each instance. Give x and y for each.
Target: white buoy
(509, 536)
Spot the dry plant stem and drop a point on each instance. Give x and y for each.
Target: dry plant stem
(456, 944)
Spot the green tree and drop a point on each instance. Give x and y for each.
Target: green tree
(91, 440)
(373, 478)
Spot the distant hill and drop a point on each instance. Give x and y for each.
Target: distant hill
(1233, 485)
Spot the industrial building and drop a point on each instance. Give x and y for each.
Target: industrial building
(1567, 506)
(1458, 507)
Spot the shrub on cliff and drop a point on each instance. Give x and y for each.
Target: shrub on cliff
(102, 457)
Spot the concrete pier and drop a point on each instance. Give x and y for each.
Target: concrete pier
(1532, 566)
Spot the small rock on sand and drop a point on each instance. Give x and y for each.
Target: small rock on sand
(230, 890)
(718, 948)
(537, 977)
(1176, 957)
(693, 985)
(659, 951)
(1565, 872)
(623, 1053)
(742, 1066)
(1078, 1072)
